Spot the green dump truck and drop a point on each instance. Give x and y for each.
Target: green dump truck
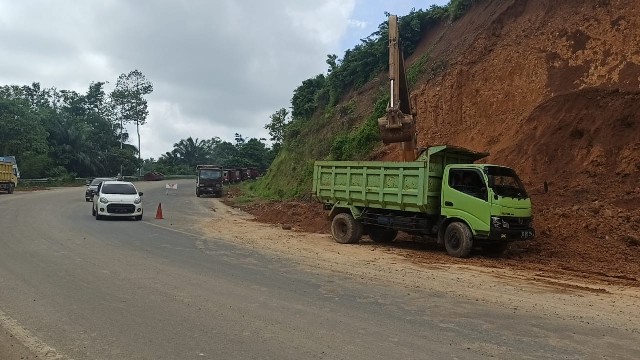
(442, 194)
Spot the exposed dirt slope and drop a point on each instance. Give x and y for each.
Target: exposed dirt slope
(552, 89)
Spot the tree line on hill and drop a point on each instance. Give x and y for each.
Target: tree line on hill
(189, 152)
(359, 65)
(65, 134)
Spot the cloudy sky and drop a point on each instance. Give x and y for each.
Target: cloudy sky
(218, 67)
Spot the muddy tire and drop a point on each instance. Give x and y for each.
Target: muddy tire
(11, 188)
(382, 235)
(345, 229)
(458, 240)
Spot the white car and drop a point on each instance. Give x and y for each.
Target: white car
(117, 198)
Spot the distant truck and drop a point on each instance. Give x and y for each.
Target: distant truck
(9, 174)
(235, 176)
(209, 180)
(442, 194)
(251, 173)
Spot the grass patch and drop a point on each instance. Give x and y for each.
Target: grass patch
(357, 144)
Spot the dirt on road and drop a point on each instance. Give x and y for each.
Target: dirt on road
(559, 251)
(522, 280)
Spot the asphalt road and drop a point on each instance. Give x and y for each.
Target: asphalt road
(74, 287)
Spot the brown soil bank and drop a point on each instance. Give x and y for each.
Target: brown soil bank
(552, 89)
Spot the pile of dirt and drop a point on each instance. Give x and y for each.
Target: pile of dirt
(550, 88)
(558, 251)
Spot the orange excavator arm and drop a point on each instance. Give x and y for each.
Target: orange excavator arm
(398, 126)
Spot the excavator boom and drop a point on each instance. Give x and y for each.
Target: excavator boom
(398, 126)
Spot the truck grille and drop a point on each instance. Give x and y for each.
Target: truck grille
(517, 222)
(121, 208)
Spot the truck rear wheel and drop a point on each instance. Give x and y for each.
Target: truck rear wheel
(345, 229)
(458, 240)
(382, 235)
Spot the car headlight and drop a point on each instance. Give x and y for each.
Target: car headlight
(137, 201)
(499, 223)
(104, 200)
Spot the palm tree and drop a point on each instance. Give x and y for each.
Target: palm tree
(192, 152)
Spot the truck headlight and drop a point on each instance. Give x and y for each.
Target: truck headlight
(104, 200)
(137, 201)
(499, 223)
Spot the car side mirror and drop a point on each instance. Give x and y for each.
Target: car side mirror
(140, 193)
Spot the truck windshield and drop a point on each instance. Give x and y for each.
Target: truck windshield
(505, 182)
(210, 174)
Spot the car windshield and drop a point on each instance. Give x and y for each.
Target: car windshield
(125, 189)
(97, 181)
(505, 182)
(210, 174)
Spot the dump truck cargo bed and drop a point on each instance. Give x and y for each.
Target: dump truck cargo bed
(406, 186)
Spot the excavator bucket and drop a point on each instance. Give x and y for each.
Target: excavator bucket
(396, 127)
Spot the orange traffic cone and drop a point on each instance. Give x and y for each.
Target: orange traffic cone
(159, 212)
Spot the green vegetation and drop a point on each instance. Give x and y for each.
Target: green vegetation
(187, 153)
(356, 145)
(63, 134)
(457, 8)
(417, 69)
(325, 125)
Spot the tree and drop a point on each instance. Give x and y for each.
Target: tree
(21, 129)
(305, 97)
(128, 96)
(192, 152)
(332, 61)
(277, 127)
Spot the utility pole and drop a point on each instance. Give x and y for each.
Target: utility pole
(121, 133)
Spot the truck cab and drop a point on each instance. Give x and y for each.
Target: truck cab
(490, 200)
(209, 180)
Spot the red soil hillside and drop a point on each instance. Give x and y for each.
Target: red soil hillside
(552, 89)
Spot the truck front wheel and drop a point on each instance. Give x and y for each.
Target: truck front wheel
(11, 187)
(382, 235)
(458, 240)
(345, 229)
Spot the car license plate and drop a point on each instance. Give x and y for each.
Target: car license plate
(526, 234)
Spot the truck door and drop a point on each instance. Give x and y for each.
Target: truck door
(465, 195)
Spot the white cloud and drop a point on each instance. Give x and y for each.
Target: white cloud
(218, 67)
(358, 24)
